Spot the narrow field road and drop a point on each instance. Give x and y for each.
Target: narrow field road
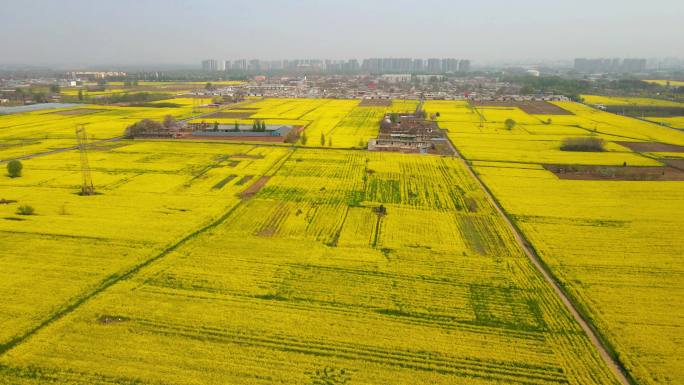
(588, 328)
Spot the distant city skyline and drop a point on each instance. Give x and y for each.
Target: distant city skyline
(369, 65)
(184, 32)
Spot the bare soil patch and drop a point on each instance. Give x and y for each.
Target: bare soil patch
(78, 111)
(652, 147)
(375, 103)
(255, 187)
(676, 163)
(625, 173)
(530, 107)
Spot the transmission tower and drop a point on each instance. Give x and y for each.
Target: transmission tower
(479, 114)
(87, 186)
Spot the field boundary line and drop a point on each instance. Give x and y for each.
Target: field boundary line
(604, 349)
(108, 282)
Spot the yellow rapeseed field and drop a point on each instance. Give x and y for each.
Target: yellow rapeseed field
(39, 131)
(617, 247)
(330, 123)
(149, 195)
(674, 122)
(208, 262)
(614, 245)
(378, 268)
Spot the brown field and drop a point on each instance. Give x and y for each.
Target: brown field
(676, 163)
(255, 187)
(531, 107)
(651, 147)
(625, 173)
(375, 103)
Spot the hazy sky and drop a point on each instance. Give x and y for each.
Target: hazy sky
(82, 32)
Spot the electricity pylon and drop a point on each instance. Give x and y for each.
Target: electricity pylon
(87, 186)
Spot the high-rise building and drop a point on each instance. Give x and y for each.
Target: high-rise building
(227, 66)
(417, 65)
(464, 66)
(450, 65)
(240, 65)
(609, 65)
(209, 65)
(254, 65)
(275, 65)
(634, 65)
(352, 65)
(373, 65)
(434, 66)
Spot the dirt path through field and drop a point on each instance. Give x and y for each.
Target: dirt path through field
(588, 328)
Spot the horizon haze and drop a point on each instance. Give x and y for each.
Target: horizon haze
(181, 32)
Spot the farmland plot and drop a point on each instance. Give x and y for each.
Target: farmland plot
(345, 267)
(33, 132)
(328, 122)
(149, 195)
(615, 246)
